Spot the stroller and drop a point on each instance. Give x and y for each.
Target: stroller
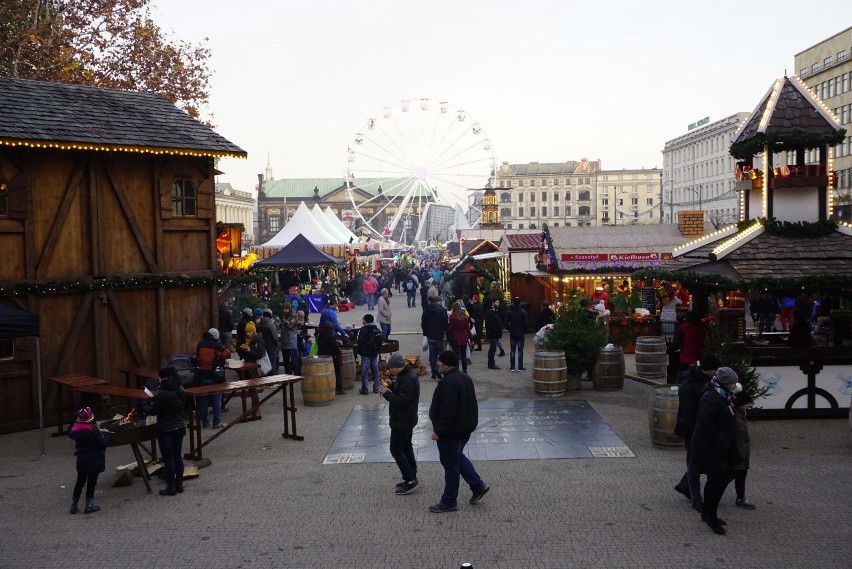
(185, 366)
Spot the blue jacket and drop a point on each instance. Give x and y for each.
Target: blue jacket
(91, 447)
(329, 315)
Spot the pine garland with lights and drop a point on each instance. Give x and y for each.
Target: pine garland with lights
(220, 227)
(785, 141)
(794, 229)
(814, 283)
(71, 286)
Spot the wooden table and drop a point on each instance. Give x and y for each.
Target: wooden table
(71, 381)
(139, 373)
(278, 382)
(245, 370)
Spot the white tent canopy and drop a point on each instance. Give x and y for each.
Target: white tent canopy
(329, 213)
(303, 223)
(326, 224)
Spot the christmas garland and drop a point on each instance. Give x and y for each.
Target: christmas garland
(795, 229)
(785, 141)
(70, 286)
(813, 283)
(220, 227)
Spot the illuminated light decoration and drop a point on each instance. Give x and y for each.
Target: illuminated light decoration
(120, 148)
(701, 241)
(765, 191)
(741, 216)
(737, 241)
(844, 227)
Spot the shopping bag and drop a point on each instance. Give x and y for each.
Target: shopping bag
(425, 344)
(314, 350)
(264, 364)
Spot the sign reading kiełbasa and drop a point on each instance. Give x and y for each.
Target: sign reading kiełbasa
(615, 257)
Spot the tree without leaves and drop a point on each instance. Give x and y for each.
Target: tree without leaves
(104, 43)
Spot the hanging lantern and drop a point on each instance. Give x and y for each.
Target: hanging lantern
(359, 138)
(371, 123)
(386, 112)
(461, 115)
(445, 106)
(406, 104)
(476, 129)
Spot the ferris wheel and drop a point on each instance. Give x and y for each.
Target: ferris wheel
(413, 154)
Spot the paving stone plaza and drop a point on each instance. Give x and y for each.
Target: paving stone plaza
(575, 483)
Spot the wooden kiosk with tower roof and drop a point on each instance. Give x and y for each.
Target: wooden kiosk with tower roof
(786, 244)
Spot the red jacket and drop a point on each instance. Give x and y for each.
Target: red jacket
(691, 339)
(458, 330)
(370, 285)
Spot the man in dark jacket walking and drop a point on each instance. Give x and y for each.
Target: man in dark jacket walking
(403, 398)
(477, 314)
(433, 322)
(493, 331)
(454, 414)
(518, 322)
(694, 380)
(167, 405)
(714, 450)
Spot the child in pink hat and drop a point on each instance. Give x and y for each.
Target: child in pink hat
(91, 457)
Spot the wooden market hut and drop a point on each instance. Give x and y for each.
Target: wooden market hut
(107, 227)
(785, 244)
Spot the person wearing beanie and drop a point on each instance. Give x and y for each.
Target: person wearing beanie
(245, 318)
(288, 340)
(713, 447)
(403, 397)
(268, 331)
(454, 413)
(168, 406)
(91, 442)
(211, 355)
(742, 401)
(691, 388)
(369, 347)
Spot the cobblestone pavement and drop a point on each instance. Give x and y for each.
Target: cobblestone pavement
(268, 502)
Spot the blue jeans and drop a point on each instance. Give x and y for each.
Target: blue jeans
(297, 362)
(516, 343)
(411, 298)
(435, 348)
(456, 465)
(368, 363)
(371, 300)
(385, 330)
(170, 447)
(402, 452)
(204, 401)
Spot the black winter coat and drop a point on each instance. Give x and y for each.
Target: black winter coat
(404, 397)
(365, 340)
(91, 447)
(741, 439)
(689, 396)
(477, 314)
(434, 321)
(517, 321)
(454, 411)
(493, 324)
(713, 445)
(167, 405)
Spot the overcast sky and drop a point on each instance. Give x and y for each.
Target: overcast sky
(549, 81)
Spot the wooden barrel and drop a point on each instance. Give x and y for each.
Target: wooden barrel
(609, 369)
(550, 373)
(348, 370)
(662, 417)
(651, 357)
(318, 381)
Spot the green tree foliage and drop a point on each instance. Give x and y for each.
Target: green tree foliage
(718, 342)
(577, 333)
(103, 43)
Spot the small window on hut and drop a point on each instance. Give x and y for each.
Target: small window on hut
(7, 350)
(4, 198)
(183, 197)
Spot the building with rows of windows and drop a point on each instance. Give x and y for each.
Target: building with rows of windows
(698, 172)
(826, 68)
(575, 194)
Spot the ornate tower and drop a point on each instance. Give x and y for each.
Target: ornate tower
(490, 212)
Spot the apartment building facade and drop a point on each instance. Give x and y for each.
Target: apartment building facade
(826, 68)
(628, 197)
(698, 172)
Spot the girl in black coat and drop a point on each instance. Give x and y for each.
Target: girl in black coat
(714, 450)
(91, 457)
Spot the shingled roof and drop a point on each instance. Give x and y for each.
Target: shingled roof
(775, 255)
(788, 112)
(523, 241)
(39, 113)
